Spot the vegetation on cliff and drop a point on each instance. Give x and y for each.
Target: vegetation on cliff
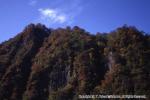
(59, 64)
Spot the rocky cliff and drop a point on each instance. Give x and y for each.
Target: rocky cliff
(59, 64)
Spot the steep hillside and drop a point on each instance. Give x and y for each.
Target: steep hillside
(60, 64)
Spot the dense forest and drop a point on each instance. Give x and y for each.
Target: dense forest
(59, 64)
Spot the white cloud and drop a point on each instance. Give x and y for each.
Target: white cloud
(61, 12)
(53, 15)
(32, 2)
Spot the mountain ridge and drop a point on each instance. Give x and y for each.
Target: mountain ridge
(60, 64)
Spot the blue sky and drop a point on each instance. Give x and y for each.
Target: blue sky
(92, 15)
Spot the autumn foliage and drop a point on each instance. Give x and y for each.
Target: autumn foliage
(59, 64)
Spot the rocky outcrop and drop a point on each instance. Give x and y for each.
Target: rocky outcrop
(59, 64)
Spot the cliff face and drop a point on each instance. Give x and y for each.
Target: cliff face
(46, 64)
(16, 60)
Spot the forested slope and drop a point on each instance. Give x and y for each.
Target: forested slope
(59, 64)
